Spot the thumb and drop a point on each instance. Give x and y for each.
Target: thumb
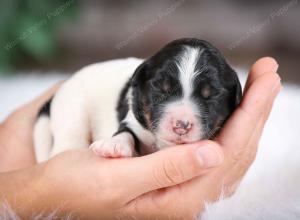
(169, 167)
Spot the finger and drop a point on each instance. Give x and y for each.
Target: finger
(241, 125)
(149, 203)
(263, 65)
(167, 167)
(160, 199)
(170, 203)
(259, 130)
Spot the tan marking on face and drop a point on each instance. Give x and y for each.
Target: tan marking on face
(146, 112)
(206, 91)
(166, 86)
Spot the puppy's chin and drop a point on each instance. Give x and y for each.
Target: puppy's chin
(163, 142)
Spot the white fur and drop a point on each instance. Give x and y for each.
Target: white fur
(90, 112)
(82, 112)
(182, 109)
(186, 64)
(270, 189)
(7, 213)
(43, 137)
(121, 145)
(146, 138)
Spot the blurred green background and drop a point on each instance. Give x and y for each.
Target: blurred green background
(55, 35)
(28, 30)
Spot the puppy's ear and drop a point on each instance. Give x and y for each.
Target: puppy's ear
(139, 93)
(232, 83)
(140, 75)
(238, 89)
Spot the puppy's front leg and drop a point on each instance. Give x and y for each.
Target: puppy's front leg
(122, 144)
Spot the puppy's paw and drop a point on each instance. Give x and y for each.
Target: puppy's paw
(112, 148)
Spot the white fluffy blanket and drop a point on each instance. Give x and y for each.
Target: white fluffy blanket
(271, 188)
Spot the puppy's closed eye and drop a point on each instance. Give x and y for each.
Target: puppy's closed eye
(161, 84)
(209, 92)
(206, 91)
(181, 94)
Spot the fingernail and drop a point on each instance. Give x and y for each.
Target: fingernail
(276, 91)
(275, 67)
(208, 157)
(276, 85)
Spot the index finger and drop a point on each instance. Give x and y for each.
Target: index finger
(241, 125)
(263, 65)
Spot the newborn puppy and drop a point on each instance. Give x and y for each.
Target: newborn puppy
(182, 94)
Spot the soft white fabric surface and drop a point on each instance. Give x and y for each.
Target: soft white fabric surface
(271, 188)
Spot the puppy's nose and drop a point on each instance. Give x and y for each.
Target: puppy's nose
(181, 127)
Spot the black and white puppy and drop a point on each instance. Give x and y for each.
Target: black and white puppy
(128, 107)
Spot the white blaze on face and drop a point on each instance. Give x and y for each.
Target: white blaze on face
(187, 69)
(185, 109)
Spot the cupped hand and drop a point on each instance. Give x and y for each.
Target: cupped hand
(16, 134)
(91, 187)
(173, 183)
(238, 140)
(170, 184)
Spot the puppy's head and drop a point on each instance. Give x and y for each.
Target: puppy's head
(185, 92)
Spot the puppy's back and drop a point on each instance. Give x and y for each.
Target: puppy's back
(84, 107)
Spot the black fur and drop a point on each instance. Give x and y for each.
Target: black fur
(156, 82)
(45, 110)
(123, 128)
(217, 89)
(122, 107)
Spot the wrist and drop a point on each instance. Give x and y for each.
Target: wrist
(25, 192)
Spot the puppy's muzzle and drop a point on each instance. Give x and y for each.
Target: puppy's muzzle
(181, 127)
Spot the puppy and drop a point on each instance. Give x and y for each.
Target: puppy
(130, 107)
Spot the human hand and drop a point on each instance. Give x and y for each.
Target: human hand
(238, 140)
(106, 185)
(89, 187)
(16, 134)
(170, 184)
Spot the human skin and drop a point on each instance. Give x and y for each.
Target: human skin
(169, 184)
